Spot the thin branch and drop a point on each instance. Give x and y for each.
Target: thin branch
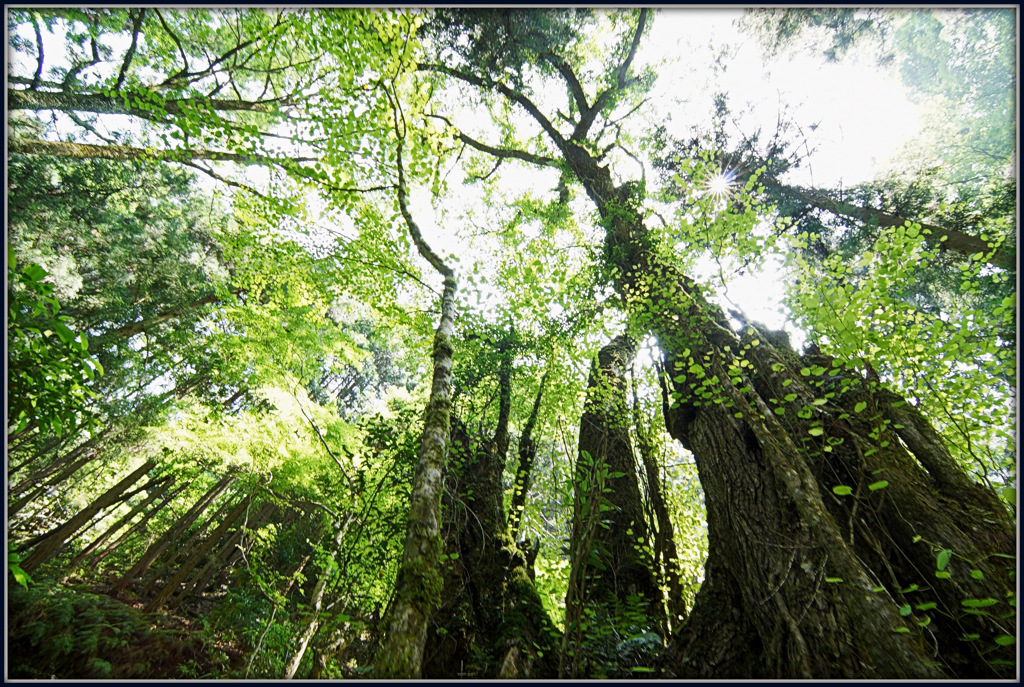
(174, 37)
(621, 81)
(39, 43)
(510, 94)
(323, 441)
(213, 175)
(90, 128)
(69, 78)
(403, 196)
(136, 26)
(571, 79)
(504, 153)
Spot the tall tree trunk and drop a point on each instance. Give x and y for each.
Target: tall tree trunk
(608, 561)
(187, 543)
(787, 591)
(55, 540)
(527, 454)
(16, 507)
(491, 622)
(197, 555)
(312, 623)
(781, 578)
(142, 523)
(126, 103)
(666, 558)
(223, 559)
(418, 586)
(36, 479)
(946, 238)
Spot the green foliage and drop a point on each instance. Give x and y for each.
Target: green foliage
(950, 361)
(74, 634)
(49, 368)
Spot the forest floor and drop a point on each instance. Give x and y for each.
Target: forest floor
(82, 629)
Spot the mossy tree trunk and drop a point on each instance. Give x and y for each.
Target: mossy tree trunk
(524, 471)
(418, 586)
(784, 578)
(491, 622)
(666, 557)
(612, 570)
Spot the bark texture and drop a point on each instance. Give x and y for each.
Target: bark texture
(491, 622)
(612, 574)
(619, 566)
(791, 588)
(418, 587)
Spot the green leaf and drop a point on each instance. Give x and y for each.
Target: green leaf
(1005, 640)
(942, 574)
(20, 576)
(942, 560)
(901, 629)
(882, 484)
(833, 580)
(816, 431)
(65, 334)
(927, 606)
(843, 490)
(979, 603)
(859, 407)
(906, 610)
(35, 272)
(977, 574)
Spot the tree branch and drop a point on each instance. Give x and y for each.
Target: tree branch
(35, 146)
(22, 99)
(504, 153)
(510, 94)
(174, 37)
(39, 44)
(587, 117)
(136, 25)
(955, 240)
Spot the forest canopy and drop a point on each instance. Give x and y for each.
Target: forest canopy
(393, 343)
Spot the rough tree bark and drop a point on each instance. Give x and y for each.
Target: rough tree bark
(949, 239)
(491, 622)
(524, 471)
(666, 558)
(609, 564)
(777, 548)
(142, 523)
(418, 587)
(223, 558)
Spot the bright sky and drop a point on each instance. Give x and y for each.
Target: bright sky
(853, 136)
